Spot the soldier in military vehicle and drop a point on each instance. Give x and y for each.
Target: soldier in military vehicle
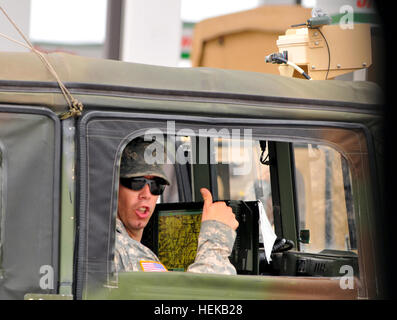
(140, 186)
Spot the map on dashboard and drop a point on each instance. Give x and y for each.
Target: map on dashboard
(178, 232)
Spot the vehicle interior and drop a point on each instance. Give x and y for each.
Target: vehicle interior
(314, 225)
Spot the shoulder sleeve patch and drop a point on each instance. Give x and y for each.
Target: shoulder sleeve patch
(152, 266)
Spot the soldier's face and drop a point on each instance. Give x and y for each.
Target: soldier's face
(135, 209)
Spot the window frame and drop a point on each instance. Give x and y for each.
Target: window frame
(366, 257)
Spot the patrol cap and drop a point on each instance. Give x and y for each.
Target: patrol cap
(133, 163)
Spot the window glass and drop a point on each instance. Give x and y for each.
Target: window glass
(170, 193)
(324, 196)
(240, 173)
(178, 171)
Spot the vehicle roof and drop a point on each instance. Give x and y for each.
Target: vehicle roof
(24, 79)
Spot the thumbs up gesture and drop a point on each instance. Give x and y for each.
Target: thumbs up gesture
(218, 211)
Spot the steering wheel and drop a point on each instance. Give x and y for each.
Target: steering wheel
(281, 245)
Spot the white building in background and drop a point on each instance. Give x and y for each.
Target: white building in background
(19, 11)
(151, 32)
(155, 32)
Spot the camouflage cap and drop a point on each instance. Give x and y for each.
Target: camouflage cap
(133, 163)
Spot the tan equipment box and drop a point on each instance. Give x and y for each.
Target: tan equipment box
(241, 40)
(349, 50)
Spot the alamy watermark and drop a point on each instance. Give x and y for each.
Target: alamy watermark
(347, 20)
(47, 277)
(235, 144)
(347, 280)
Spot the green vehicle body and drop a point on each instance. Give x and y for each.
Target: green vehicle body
(113, 90)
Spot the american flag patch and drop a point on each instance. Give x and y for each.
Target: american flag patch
(152, 266)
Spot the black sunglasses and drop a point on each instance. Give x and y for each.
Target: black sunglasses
(156, 185)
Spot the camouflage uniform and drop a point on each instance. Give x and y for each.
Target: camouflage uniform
(215, 244)
(129, 252)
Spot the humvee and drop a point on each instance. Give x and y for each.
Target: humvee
(309, 153)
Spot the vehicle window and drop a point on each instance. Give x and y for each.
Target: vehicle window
(171, 192)
(324, 196)
(232, 164)
(239, 173)
(179, 172)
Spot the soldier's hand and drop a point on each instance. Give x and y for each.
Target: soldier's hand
(218, 211)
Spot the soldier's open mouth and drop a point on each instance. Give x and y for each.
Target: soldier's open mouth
(142, 212)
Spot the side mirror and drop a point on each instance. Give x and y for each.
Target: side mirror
(304, 236)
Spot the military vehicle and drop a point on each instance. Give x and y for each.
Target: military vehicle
(237, 133)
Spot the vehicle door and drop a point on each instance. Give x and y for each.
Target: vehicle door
(291, 143)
